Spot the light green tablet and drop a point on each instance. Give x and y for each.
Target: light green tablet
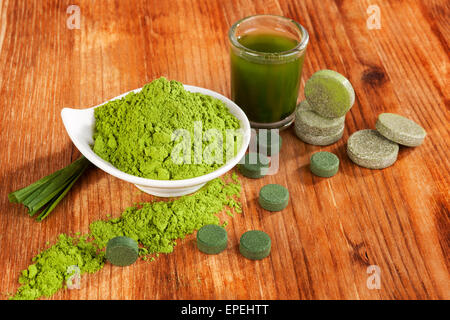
(368, 148)
(400, 129)
(311, 123)
(329, 93)
(319, 140)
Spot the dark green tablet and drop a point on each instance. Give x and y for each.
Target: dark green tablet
(324, 164)
(273, 197)
(254, 165)
(269, 142)
(255, 245)
(212, 239)
(122, 251)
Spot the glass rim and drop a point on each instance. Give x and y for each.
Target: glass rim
(301, 45)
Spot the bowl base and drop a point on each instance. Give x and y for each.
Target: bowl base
(169, 192)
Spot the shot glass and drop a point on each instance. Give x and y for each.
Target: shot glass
(267, 54)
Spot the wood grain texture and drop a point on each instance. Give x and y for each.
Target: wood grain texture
(332, 230)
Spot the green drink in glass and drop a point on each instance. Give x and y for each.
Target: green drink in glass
(267, 54)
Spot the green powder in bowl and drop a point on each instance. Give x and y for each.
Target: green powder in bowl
(165, 132)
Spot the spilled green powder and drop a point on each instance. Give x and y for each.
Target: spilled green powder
(134, 133)
(49, 272)
(155, 226)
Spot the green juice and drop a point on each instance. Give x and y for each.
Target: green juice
(266, 88)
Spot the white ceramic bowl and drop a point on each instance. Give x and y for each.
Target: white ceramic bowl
(80, 127)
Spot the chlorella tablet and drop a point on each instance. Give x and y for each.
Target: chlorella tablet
(255, 244)
(369, 149)
(254, 165)
(212, 239)
(400, 129)
(122, 251)
(273, 197)
(310, 122)
(319, 140)
(329, 93)
(269, 142)
(324, 164)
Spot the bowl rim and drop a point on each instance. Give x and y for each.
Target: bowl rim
(166, 184)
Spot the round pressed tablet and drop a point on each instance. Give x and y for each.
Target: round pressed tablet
(319, 140)
(310, 122)
(212, 239)
(255, 244)
(122, 251)
(368, 148)
(269, 142)
(400, 129)
(273, 197)
(324, 164)
(254, 165)
(329, 93)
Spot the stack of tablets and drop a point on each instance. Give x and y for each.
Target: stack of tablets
(319, 120)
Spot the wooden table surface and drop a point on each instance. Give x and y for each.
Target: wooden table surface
(333, 229)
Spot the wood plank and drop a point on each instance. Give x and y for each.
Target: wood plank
(332, 230)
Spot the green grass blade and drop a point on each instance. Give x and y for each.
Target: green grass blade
(54, 202)
(55, 186)
(43, 203)
(49, 190)
(20, 195)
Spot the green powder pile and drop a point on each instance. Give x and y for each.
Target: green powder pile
(155, 225)
(49, 272)
(135, 133)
